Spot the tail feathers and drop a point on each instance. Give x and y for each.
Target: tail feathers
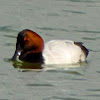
(84, 49)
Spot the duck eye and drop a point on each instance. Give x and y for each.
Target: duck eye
(25, 39)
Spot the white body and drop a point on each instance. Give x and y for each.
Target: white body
(62, 52)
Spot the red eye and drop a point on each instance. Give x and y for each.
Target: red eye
(25, 39)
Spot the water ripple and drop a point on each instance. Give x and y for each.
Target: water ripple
(7, 29)
(87, 31)
(53, 14)
(52, 29)
(3, 74)
(86, 1)
(39, 85)
(10, 36)
(98, 71)
(77, 12)
(4, 99)
(67, 72)
(93, 89)
(94, 95)
(9, 44)
(62, 98)
(87, 38)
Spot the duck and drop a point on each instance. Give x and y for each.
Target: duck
(30, 47)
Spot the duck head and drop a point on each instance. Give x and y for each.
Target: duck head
(29, 47)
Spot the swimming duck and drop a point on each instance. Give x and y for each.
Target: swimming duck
(30, 48)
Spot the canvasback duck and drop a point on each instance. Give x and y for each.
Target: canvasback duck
(30, 48)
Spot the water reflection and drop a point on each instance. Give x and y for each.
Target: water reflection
(26, 65)
(65, 67)
(70, 69)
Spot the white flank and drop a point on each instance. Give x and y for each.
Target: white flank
(62, 52)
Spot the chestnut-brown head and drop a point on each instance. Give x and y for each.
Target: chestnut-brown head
(29, 46)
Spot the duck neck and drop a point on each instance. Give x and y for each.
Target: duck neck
(32, 57)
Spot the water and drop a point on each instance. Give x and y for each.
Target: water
(77, 20)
